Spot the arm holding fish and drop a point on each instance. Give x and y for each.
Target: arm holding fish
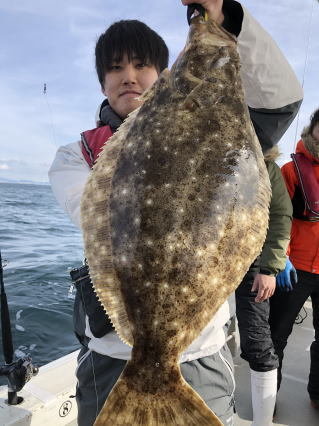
(273, 93)
(273, 255)
(68, 175)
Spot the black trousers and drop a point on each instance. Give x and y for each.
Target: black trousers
(253, 324)
(285, 307)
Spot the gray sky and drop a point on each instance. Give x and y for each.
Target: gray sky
(53, 42)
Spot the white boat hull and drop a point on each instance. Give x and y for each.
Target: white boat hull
(48, 399)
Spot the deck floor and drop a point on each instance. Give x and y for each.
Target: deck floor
(293, 406)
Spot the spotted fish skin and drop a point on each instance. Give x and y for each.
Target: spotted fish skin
(173, 214)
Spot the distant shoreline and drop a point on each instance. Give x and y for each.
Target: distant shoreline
(23, 182)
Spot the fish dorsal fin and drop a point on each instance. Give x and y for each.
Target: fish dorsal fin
(96, 227)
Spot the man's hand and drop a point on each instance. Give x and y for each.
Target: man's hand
(213, 8)
(265, 286)
(287, 278)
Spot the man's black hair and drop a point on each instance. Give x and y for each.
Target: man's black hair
(314, 119)
(133, 38)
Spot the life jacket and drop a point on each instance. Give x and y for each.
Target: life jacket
(92, 142)
(306, 198)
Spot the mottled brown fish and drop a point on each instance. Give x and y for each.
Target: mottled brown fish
(173, 214)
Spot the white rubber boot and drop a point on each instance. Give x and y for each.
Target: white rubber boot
(263, 395)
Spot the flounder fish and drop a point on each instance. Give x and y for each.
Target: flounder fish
(173, 214)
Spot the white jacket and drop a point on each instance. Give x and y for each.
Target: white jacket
(269, 84)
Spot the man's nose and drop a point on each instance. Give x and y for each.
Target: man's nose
(129, 74)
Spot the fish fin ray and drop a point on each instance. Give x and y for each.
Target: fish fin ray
(95, 224)
(117, 313)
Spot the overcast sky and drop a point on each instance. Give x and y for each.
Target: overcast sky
(53, 41)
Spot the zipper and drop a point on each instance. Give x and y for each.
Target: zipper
(229, 368)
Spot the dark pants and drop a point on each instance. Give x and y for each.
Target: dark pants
(285, 307)
(211, 377)
(253, 324)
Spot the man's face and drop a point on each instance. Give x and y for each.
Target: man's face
(315, 132)
(125, 82)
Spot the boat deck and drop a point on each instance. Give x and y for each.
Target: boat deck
(293, 406)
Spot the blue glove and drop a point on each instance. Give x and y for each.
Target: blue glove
(286, 279)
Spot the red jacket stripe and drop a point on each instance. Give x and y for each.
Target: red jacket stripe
(92, 142)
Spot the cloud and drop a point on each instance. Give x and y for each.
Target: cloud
(53, 42)
(39, 7)
(25, 170)
(4, 167)
(33, 126)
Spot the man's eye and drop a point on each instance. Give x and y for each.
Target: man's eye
(115, 67)
(141, 65)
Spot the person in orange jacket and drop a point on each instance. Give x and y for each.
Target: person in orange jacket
(302, 179)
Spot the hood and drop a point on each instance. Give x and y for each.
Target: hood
(308, 146)
(105, 116)
(271, 154)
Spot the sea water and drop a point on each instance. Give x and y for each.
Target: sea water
(40, 246)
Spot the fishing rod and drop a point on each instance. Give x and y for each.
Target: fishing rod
(19, 372)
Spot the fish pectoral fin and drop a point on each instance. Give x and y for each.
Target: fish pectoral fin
(194, 98)
(179, 405)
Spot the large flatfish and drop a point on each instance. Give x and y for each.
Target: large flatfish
(173, 214)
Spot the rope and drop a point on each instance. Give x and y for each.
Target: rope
(305, 67)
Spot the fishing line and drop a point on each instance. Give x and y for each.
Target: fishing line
(305, 66)
(45, 94)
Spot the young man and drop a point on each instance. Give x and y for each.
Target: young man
(126, 67)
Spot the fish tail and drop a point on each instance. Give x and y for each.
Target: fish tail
(179, 406)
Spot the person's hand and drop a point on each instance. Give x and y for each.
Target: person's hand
(287, 278)
(213, 8)
(265, 286)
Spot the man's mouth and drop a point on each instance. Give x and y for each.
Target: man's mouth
(130, 92)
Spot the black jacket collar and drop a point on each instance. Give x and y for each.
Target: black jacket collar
(107, 117)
